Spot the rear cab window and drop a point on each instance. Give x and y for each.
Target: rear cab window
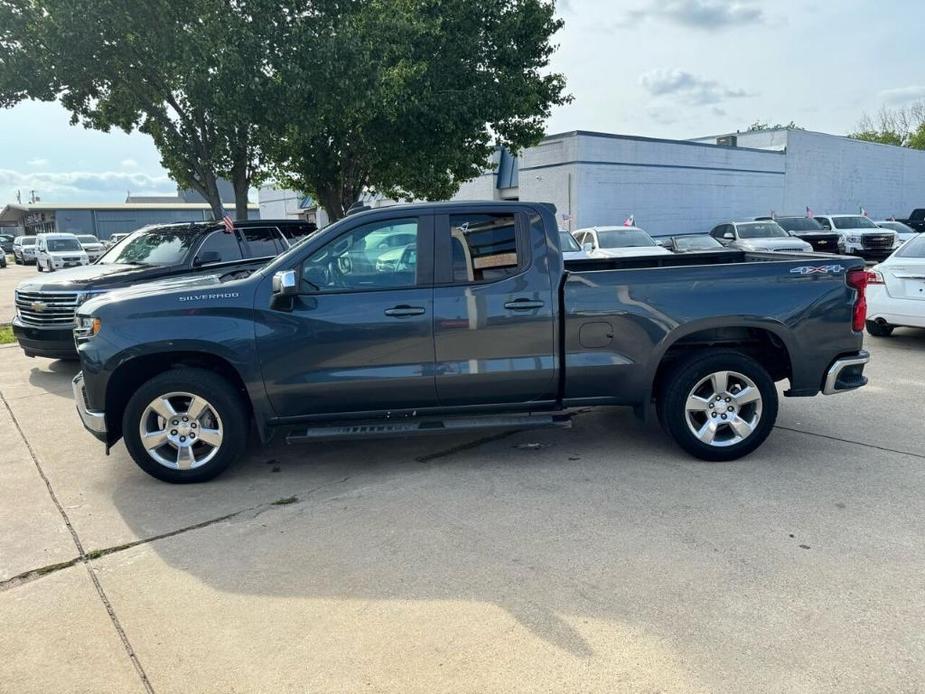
(483, 247)
(263, 242)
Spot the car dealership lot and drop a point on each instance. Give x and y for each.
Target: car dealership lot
(599, 558)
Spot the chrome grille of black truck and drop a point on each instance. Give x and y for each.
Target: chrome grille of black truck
(47, 308)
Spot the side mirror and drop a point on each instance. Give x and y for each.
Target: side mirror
(285, 283)
(659, 243)
(587, 247)
(206, 258)
(729, 236)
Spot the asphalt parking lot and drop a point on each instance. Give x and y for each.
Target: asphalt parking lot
(10, 276)
(595, 559)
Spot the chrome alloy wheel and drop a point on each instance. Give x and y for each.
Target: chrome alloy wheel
(723, 409)
(181, 431)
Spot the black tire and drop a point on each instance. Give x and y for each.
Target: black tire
(680, 382)
(221, 395)
(38, 266)
(879, 329)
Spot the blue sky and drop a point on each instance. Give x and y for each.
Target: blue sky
(661, 68)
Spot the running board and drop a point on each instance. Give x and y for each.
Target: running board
(405, 427)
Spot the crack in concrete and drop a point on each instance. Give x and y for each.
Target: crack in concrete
(82, 555)
(855, 443)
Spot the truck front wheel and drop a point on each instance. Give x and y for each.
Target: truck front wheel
(185, 425)
(718, 406)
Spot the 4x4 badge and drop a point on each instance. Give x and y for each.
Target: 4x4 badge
(817, 269)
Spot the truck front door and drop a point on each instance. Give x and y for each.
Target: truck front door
(359, 336)
(494, 310)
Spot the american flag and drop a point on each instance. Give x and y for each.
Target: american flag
(229, 224)
(630, 221)
(809, 212)
(864, 212)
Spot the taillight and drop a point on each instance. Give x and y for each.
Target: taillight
(858, 280)
(874, 277)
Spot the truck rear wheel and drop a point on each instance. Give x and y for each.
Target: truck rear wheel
(185, 425)
(879, 328)
(719, 406)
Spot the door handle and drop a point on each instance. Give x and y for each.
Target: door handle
(404, 311)
(523, 305)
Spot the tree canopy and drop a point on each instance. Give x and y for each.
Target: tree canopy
(407, 98)
(903, 126)
(412, 96)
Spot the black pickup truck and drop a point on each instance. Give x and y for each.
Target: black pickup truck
(45, 306)
(916, 220)
(447, 317)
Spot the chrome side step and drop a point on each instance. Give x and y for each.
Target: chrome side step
(405, 427)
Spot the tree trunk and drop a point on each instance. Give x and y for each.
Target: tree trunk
(332, 201)
(211, 194)
(241, 186)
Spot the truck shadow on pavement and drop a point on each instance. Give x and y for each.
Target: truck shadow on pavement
(543, 524)
(54, 377)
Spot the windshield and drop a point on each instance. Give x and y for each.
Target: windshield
(913, 249)
(568, 242)
(27, 241)
(87, 239)
(630, 238)
(696, 243)
(55, 245)
(760, 230)
(799, 224)
(163, 246)
(853, 223)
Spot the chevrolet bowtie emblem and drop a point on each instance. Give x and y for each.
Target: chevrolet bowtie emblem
(38, 306)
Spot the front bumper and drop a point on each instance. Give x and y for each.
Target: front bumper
(93, 421)
(846, 374)
(52, 343)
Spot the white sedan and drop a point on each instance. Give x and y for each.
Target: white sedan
(896, 290)
(618, 242)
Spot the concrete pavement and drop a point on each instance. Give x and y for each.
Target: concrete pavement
(10, 276)
(596, 559)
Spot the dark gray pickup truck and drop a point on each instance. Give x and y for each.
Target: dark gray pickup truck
(456, 316)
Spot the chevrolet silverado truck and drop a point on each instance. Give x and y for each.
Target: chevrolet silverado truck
(477, 322)
(45, 307)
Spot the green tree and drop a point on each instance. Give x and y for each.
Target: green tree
(759, 126)
(412, 96)
(189, 74)
(903, 126)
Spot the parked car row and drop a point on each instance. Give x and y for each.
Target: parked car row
(45, 308)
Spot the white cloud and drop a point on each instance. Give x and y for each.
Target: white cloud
(37, 162)
(902, 95)
(687, 88)
(700, 14)
(129, 164)
(80, 185)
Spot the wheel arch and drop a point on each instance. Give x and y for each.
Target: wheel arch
(769, 343)
(130, 374)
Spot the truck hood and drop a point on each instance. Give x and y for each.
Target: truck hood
(88, 276)
(773, 244)
(149, 289)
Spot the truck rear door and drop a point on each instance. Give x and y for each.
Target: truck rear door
(494, 309)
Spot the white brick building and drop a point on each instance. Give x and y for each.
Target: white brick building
(677, 186)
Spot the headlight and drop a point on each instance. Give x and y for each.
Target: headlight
(86, 327)
(762, 249)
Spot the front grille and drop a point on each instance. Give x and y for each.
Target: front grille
(824, 243)
(47, 308)
(788, 250)
(72, 260)
(877, 242)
